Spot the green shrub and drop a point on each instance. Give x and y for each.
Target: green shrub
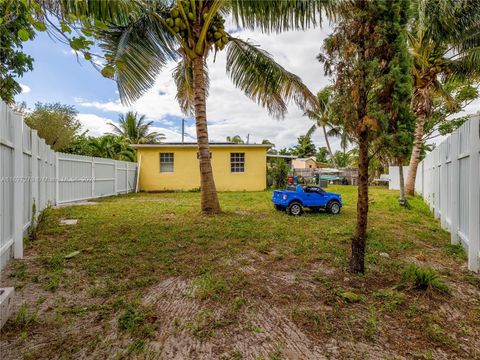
(423, 278)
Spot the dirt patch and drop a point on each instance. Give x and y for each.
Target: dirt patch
(263, 330)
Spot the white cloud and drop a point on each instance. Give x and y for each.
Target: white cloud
(96, 125)
(25, 88)
(110, 106)
(69, 52)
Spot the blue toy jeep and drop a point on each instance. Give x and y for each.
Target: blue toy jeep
(312, 197)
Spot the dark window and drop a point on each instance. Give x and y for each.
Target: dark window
(237, 162)
(166, 162)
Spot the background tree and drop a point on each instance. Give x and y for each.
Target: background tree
(343, 159)
(305, 147)
(136, 129)
(322, 115)
(140, 40)
(285, 151)
(278, 172)
(106, 146)
(445, 45)
(367, 53)
(56, 123)
(15, 28)
(323, 155)
(237, 139)
(443, 119)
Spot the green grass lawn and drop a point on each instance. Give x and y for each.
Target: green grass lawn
(148, 276)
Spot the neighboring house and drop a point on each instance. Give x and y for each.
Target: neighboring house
(174, 166)
(287, 158)
(307, 163)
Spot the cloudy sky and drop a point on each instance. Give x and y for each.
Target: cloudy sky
(59, 75)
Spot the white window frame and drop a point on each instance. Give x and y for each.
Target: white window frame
(237, 162)
(166, 163)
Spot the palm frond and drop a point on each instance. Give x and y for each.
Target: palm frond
(276, 16)
(263, 80)
(312, 115)
(113, 12)
(138, 52)
(183, 77)
(115, 130)
(311, 131)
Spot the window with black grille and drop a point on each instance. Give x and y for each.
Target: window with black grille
(237, 162)
(166, 162)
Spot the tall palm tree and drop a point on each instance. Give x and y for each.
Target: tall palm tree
(135, 129)
(444, 42)
(321, 116)
(138, 44)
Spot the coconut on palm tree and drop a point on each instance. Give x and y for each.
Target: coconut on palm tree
(139, 44)
(136, 129)
(444, 42)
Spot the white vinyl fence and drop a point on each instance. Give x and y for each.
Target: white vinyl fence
(31, 174)
(449, 181)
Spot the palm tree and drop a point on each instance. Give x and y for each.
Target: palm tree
(445, 44)
(237, 139)
(139, 42)
(135, 129)
(321, 116)
(111, 147)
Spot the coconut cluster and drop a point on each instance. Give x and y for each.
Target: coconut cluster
(216, 32)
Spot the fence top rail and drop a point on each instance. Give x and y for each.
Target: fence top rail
(85, 158)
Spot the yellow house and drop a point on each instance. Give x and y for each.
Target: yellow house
(174, 166)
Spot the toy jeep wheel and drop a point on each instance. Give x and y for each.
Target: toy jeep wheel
(295, 209)
(279, 207)
(333, 207)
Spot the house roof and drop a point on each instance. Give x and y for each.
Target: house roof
(281, 156)
(194, 144)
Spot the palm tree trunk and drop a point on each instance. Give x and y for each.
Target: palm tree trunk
(417, 146)
(209, 203)
(357, 261)
(328, 147)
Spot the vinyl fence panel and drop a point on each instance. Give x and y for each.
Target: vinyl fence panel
(448, 179)
(33, 176)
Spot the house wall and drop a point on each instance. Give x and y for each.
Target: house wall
(305, 164)
(186, 173)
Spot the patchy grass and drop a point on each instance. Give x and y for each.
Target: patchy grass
(153, 278)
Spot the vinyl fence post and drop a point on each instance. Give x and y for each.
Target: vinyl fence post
(115, 181)
(474, 193)
(57, 176)
(93, 177)
(18, 186)
(455, 189)
(34, 179)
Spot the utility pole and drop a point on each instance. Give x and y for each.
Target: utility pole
(183, 130)
(248, 138)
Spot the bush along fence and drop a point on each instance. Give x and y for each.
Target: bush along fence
(449, 181)
(32, 177)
